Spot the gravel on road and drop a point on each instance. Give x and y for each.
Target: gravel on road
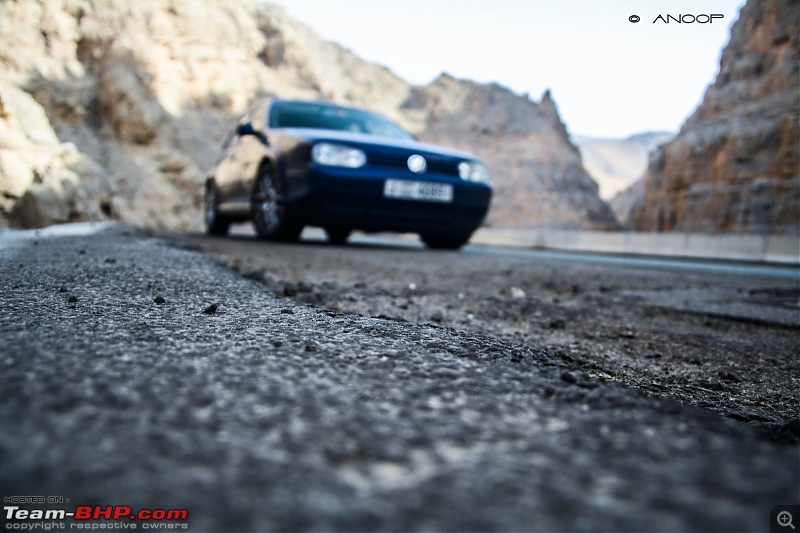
(137, 372)
(720, 337)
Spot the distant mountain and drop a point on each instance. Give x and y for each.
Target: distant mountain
(616, 163)
(537, 172)
(115, 109)
(624, 201)
(735, 164)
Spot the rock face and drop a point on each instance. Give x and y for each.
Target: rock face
(734, 164)
(38, 173)
(615, 164)
(116, 109)
(624, 201)
(537, 172)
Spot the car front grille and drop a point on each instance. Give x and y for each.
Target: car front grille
(436, 165)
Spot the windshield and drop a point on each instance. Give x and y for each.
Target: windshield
(327, 117)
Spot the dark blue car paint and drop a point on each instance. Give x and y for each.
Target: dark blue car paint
(327, 196)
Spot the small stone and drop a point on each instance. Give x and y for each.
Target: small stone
(72, 299)
(516, 292)
(211, 309)
(569, 377)
(110, 260)
(290, 290)
(159, 300)
(286, 311)
(304, 287)
(311, 347)
(437, 316)
(730, 376)
(62, 289)
(557, 323)
(255, 275)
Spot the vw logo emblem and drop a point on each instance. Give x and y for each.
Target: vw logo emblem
(417, 164)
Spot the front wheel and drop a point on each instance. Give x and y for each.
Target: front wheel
(445, 241)
(268, 209)
(216, 224)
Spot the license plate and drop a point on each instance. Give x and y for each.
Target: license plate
(423, 191)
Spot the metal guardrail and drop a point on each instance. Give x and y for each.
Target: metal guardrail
(784, 249)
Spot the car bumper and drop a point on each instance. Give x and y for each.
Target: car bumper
(338, 199)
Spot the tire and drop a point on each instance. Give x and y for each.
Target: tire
(216, 224)
(268, 209)
(445, 241)
(337, 235)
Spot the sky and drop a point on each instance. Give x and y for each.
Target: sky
(609, 77)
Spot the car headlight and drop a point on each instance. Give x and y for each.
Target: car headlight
(338, 155)
(473, 171)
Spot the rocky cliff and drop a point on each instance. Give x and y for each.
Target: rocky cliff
(537, 171)
(734, 164)
(116, 109)
(615, 164)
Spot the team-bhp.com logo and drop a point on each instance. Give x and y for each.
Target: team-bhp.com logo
(686, 18)
(88, 515)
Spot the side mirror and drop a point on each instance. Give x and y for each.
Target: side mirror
(246, 128)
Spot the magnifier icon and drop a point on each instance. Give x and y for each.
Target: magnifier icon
(785, 519)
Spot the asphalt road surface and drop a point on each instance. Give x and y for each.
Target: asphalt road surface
(373, 388)
(717, 335)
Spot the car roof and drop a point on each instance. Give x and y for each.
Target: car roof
(327, 103)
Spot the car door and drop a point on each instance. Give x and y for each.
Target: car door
(238, 169)
(217, 170)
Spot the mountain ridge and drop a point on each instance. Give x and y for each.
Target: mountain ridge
(615, 163)
(735, 164)
(138, 98)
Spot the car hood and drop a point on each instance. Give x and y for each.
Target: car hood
(368, 141)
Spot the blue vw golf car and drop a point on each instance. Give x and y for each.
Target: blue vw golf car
(291, 163)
